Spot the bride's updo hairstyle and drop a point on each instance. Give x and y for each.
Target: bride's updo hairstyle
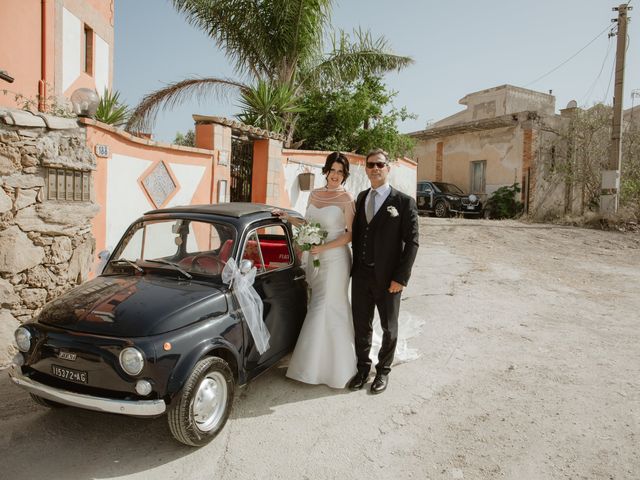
(336, 157)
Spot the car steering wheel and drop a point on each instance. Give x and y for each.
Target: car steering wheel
(213, 266)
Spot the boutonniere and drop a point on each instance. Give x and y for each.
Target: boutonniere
(392, 211)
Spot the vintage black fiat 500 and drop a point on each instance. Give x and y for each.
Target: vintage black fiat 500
(159, 331)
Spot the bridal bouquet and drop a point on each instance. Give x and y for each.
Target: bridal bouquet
(308, 235)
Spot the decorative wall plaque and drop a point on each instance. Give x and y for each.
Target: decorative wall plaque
(159, 184)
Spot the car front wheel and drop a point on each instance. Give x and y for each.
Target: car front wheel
(441, 210)
(205, 404)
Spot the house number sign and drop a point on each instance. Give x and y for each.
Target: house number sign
(102, 150)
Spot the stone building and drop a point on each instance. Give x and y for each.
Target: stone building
(497, 140)
(46, 208)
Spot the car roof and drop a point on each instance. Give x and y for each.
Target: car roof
(232, 209)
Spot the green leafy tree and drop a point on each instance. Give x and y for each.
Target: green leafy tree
(356, 117)
(581, 153)
(111, 110)
(185, 139)
(278, 42)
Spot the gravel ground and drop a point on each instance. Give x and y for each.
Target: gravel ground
(529, 369)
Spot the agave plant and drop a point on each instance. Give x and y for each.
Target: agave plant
(268, 106)
(277, 46)
(110, 110)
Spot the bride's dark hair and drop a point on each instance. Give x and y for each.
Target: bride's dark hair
(337, 157)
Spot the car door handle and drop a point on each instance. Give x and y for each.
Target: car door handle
(300, 277)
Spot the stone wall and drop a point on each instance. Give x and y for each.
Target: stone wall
(46, 246)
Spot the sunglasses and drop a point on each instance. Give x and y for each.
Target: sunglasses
(380, 165)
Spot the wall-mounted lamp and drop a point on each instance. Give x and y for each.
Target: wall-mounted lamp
(85, 102)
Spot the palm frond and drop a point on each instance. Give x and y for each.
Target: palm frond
(145, 113)
(353, 58)
(237, 27)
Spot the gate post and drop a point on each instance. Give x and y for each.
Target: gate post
(217, 137)
(268, 175)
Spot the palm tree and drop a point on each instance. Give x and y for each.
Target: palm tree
(276, 48)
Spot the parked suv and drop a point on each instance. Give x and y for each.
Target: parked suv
(442, 199)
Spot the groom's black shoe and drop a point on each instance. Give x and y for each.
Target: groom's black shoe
(358, 381)
(380, 383)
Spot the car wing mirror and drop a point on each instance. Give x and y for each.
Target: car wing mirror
(245, 266)
(103, 258)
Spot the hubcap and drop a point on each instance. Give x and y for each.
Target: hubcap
(210, 401)
(440, 209)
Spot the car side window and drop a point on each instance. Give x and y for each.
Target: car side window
(268, 247)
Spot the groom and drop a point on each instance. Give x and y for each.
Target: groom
(385, 244)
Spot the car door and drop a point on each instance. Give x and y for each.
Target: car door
(280, 282)
(425, 196)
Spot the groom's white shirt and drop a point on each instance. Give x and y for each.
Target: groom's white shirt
(383, 192)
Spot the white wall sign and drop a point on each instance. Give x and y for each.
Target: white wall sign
(102, 150)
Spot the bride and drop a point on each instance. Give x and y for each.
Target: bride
(325, 351)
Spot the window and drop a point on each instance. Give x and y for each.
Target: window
(478, 181)
(268, 248)
(88, 50)
(197, 247)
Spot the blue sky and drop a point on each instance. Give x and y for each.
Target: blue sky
(458, 47)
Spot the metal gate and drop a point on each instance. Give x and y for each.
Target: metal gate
(241, 167)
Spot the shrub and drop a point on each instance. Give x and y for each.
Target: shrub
(503, 203)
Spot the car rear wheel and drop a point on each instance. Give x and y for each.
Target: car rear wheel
(441, 209)
(46, 403)
(205, 404)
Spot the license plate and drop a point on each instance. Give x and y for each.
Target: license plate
(78, 376)
(470, 207)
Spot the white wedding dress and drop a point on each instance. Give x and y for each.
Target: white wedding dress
(325, 351)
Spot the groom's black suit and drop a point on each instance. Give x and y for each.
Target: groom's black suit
(383, 250)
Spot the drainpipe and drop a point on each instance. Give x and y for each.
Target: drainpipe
(42, 84)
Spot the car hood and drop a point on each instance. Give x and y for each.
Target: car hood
(134, 306)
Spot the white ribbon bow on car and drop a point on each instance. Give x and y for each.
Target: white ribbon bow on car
(249, 300)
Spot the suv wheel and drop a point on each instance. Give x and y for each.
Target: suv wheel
(205, 404)
(441, 209)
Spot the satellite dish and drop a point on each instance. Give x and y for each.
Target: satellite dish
(572, 104)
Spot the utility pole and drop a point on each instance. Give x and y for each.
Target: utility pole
(610, 193)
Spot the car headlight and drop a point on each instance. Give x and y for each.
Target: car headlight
(131, 360)
(23, 339)
(451, 197)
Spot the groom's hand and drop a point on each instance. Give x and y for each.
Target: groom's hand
(395, 287)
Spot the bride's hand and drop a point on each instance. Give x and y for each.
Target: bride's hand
(317, 249)
(280, 214)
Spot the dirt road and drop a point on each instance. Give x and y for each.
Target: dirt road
(530, 369)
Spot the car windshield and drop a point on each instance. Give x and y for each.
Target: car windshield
(449, 188)
(180, 245)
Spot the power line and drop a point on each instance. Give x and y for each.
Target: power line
(606, 94)
(570, 58)
(587, 95)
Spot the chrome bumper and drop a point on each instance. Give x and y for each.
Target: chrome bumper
(138, 408)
